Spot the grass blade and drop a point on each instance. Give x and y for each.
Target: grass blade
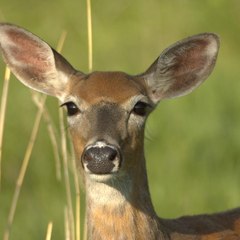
(23, 169)
(3, 113)
(49, 231)
(77, 196)
(66, 173)
(69, 210)
(67, 224)
(61, 41)
(89, 27)
(90, 67)
(52, 135)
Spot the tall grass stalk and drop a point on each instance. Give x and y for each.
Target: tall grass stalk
(78, 215)
(90, 68)
(77, 197)
(49, 231)
(3, 113)
(69, 211)
(23, 169)
(52, 135)
(89, 27)
(67, 224)
(66, 174)
(61, 41)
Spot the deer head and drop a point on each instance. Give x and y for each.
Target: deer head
(107, 110)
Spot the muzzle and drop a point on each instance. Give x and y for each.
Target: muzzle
(101, 158)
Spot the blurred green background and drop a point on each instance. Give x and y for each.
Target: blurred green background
(192, 143)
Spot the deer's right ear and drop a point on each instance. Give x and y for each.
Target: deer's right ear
(34, 62)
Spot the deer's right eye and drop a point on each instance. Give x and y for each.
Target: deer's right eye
(72, 108)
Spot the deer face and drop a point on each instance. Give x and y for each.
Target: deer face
(107, 110)
(106, 116)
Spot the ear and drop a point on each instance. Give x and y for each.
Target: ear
(34, 62)
(182, 67)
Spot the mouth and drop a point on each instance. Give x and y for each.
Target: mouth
(102, 178)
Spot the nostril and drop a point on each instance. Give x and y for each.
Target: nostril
(112, 154)
(88, 156)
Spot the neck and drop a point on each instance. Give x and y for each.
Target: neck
(121, 208)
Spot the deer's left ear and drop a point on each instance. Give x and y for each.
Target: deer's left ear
(34, 62)
(182, 67)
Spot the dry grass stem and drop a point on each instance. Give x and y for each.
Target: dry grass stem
(67, 224)
(89, 27)
(85, 228)
(77, 197)
(65, 156)
(90, 67)
(52, 135)
(49, 231)
(23, 169)
(61, 41)
(3, 113)
(78, 215)
(66, 172)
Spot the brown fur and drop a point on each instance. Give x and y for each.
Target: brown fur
(105, 85)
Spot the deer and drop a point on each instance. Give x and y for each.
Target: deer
(106, 114)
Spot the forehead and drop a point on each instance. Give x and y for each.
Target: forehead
(114, 86)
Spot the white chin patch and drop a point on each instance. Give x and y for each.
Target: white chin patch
(101, 178)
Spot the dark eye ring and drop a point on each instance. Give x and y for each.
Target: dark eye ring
(141, 108)
(72, 108)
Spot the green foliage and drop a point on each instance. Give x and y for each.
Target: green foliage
(192, 143)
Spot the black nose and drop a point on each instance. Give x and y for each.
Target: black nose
(101, 160)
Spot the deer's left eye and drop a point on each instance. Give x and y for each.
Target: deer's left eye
(72, 108)
(141, 108)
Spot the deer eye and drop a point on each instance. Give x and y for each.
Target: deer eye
(72, 108)
(141, 108)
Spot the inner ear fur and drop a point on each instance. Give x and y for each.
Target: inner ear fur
(33, 61)
(182, 67)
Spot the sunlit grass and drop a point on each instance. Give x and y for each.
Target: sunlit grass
(49, 231)
(3, 114)
(23, 170)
